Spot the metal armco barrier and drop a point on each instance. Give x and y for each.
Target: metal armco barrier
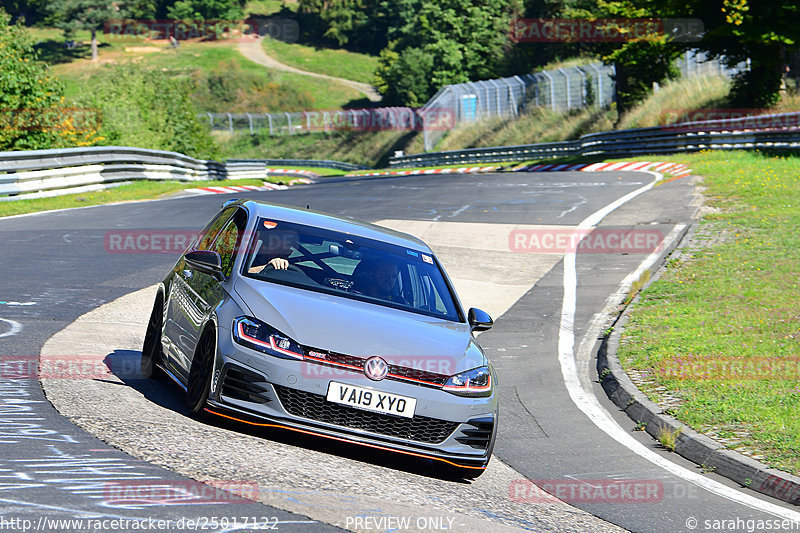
(766, 132)
(318, 163)
(41, 173)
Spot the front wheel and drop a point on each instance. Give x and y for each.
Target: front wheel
(200, 373)
(152, 351)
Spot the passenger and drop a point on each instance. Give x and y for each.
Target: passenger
(379, 280)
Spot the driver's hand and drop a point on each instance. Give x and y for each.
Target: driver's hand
(279, 263)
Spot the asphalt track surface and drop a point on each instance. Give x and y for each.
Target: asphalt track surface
(56, 268)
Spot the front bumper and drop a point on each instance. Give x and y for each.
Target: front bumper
(266, 391)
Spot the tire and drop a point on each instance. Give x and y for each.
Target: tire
(198, 385)
(152, 351)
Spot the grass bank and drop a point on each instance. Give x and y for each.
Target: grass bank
(717, 337)
(336, 62)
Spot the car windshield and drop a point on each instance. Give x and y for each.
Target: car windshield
(349, 266)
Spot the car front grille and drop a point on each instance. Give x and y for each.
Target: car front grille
(396, 372)
(316, 407)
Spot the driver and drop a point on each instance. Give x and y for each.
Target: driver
(276, 247)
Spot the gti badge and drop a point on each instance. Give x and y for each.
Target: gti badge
(376, 368)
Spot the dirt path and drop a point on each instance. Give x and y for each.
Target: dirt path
(252, 50)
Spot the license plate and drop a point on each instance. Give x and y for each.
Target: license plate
(371, 399)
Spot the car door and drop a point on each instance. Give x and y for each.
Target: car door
(204, 290)
(181, 305)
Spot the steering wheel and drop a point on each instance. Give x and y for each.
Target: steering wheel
(291, 267)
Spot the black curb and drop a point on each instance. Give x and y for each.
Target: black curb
(691, 445)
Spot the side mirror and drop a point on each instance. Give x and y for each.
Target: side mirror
(205, 261)
(479, 320)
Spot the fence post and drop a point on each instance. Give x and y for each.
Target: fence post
(250, 120)
(599, 99)
(552, 90)
(230, 123)
(566, 77)
(269, 119)
(583, 86)
(289, 120)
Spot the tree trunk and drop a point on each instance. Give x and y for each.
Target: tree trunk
(94, 44)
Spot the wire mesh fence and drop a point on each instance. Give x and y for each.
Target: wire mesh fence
(697, 63)
(372, 119)
(560, 90)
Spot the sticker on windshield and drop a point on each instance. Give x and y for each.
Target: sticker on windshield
(412, 252)
(427, 258)
(270, 224)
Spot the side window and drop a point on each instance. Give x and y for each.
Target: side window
(206, 236)
(229, 240)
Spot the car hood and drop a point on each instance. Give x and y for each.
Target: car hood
(352, 327)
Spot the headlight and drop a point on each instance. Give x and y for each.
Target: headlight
(475, 382)
(259, 336)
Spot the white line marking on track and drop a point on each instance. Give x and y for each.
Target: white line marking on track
(459, 211)
(16, 327)
(585, 400)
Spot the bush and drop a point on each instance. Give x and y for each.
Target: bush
(148, 109)
(31, 114)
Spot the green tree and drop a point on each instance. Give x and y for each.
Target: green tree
(207, 10)
(30, 11)
(73, 15)
(29, 95)
(639, 62)
(741, 30)
(449, 41)
(364, 25)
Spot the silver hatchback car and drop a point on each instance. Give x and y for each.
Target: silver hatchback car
(285, 317)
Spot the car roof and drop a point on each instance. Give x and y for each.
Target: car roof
(319, 219)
